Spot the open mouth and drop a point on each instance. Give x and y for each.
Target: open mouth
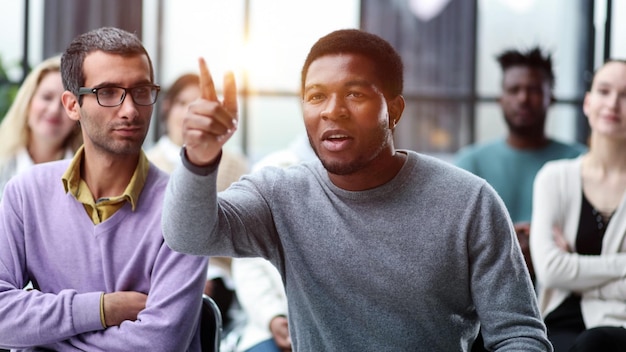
(336, 141)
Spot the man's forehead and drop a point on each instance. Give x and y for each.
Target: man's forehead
(111, 67)
(520, 70)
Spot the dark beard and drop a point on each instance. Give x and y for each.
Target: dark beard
(534, 130)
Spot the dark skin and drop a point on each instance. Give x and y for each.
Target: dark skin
(348, 119)
(526, 97)
(350, 122)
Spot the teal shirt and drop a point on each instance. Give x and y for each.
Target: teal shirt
(512, 171)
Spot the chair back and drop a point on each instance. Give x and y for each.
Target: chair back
(210, 325)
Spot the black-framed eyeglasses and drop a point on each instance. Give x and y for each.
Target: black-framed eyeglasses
(111, 96)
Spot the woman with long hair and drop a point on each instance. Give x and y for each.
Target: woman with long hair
(36, 128)
(578, 229)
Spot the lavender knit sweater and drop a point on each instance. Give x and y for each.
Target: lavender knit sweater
(47, 237)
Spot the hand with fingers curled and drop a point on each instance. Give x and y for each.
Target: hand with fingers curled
(209, 122)
(122, 305)
(559, 240)
(279, 327)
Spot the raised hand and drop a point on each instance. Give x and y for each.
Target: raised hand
(209, 123)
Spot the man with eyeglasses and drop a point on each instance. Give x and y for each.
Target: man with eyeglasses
(87, 232)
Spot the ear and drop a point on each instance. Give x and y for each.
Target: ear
(70, 103)
(395, 107)
(586, 105)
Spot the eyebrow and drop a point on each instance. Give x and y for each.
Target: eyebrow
(353, 83)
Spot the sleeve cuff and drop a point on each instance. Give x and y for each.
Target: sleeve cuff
(199, 170)
(86, 312)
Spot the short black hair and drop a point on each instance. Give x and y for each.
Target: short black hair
(386, 59)
(108, 39)
(532, 58)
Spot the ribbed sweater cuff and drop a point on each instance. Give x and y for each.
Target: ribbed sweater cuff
(86, 312)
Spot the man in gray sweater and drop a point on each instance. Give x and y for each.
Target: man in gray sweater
(379, 249)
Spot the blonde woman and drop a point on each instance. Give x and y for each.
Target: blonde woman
(36, 128)
(578, 231)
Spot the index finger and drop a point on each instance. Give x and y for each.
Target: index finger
(207, 88)
(230, 93)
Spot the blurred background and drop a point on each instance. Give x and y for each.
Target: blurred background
(452, 78)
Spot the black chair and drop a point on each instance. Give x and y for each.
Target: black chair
(210, 325)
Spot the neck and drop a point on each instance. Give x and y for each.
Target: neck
(536, 141)
(40, 152)
(370, 177)
(607, 154)
(107, 175)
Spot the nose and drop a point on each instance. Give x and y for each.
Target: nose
(128, 108)
(523, 95)
(334, 108)
(613, 100)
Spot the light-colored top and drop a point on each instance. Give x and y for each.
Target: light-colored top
(47, 237)
(20, 163)
(260, 293)
(299, 150)
(600, 279)
(166, 156)
(410, 265)
(511, 172)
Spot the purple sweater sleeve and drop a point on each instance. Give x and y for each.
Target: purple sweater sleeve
(72, 267)
(31, 316)
(170, 320)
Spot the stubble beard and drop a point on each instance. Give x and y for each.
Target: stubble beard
(360, 162)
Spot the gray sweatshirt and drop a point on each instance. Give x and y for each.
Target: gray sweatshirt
(417, 264)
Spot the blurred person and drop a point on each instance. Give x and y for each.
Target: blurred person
(259, 285)
(87, 231)
(579, 227)
(510, 164)
(379, 249)
(36, 128)
(262, 297)
(299, 150)
(165, 155)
